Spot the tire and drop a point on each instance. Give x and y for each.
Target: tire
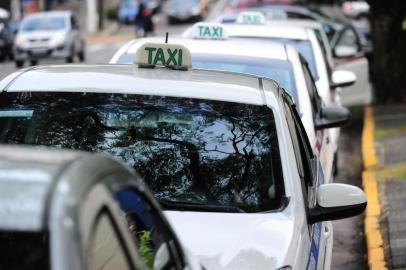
(69, 59)
(19, 63)
(34, 62)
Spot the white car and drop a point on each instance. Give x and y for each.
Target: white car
(343, 53)
(305, 41)
(225, 153)
(212, 49)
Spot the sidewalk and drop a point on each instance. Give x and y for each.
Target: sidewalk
(384, 153)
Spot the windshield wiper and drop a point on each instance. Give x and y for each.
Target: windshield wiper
(185, 206)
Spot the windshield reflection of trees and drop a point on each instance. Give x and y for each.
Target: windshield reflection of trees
(225, 154)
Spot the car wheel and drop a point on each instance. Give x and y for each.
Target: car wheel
(69, 59)
(34, 62)
(19, 63)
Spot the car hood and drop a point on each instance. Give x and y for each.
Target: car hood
(234, 241)
(40, 34)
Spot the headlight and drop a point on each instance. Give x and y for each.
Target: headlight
(57, 40)
(20, 40)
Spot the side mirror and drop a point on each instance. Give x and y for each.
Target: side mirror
(342, 78)
(337, 201)
(341, 51)
(332, 117)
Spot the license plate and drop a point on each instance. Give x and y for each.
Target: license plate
(39, 51)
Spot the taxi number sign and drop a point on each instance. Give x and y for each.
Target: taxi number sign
(163, 54)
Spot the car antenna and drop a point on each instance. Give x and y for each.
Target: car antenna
(166, 37)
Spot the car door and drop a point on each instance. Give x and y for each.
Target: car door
(349, 56)
(321, 233)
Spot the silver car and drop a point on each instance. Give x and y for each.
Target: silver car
(54, 34)
(72, 210)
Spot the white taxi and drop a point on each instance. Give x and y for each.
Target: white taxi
(305, 41)
(224, 153)
(211, 48)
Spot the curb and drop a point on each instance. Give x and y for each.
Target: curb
(373, 235)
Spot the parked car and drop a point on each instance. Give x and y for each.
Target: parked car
(185, 10)
(73, 210)
(226, 154)
(54, 34)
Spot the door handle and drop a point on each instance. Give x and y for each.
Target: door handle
(327, 140)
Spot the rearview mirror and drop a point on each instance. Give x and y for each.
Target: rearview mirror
(332, 117)
(341, 51)
(343, 78)
(337, 201)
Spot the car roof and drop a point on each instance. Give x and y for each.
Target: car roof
(129, 79)
(296, 23)
(267, 31)
(228, 47)
(26, 177)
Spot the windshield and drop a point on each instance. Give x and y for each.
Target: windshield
(304, 47)
(187, 150)
(43, 23)
(278, 70)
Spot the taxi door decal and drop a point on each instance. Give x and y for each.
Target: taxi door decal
(314, 247)
(313, 259)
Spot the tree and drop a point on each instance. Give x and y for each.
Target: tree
(389, 56)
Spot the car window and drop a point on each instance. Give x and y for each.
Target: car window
(43, 23)
(24, 250)
(106, 250)
(311, 87)
(348, 39)
(156, 243)
(202, 154)
(278, 70)
(305, 48)
(300, 149)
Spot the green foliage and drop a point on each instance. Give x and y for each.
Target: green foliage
(112, 14)
(146, 253)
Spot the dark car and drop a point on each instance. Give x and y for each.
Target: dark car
(8, 30)
(72, 210)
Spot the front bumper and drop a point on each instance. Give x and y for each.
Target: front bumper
(34, 53)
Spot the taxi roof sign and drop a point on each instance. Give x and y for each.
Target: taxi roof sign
(162, 54)
(277, 14)
(251, 17)
(202, 30)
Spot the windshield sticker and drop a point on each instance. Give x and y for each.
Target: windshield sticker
(18, 113)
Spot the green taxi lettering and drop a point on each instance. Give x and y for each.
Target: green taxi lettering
(165, 57)
(252, 19)
(212, 32)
